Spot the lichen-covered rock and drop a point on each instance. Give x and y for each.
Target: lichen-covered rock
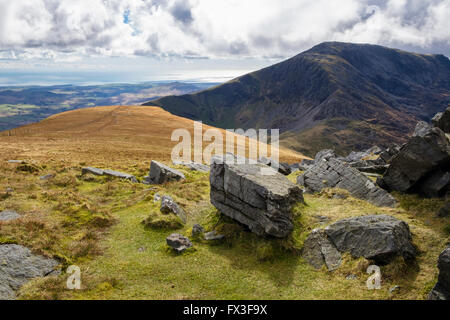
(442, 289)
(255, 195)
(318, 250)
(160, 173)
(178, 242)
(376, 237)
(18, 265)
(333, 173)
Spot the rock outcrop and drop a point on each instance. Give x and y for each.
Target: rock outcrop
(160, 174)
(442, 120)
(442, 289)
(318, 250)
(178, 242)
(283, 168)
(18, 265)
(418, 164)
(332, 173)
(254, 195)
(375, 237)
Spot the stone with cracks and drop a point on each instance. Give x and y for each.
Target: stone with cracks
(255, 195)
(418, 158)
(168, 205)
(318, 250)
(178, 242)
(442, 289)
(160, 173)
(333, 173)
(375, 237)
(18, 265)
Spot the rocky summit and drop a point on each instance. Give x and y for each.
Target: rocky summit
(254, 195)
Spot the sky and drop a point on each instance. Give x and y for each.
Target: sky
(97, 41)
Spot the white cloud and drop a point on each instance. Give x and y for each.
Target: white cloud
(65, 30)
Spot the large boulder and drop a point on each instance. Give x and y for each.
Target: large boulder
(318, 250)
(333, 173)
(160, 173)
(375, 237)
(253, 194)
(18, 265)
(442, 289)
(420, 157)
(436, 184)
(442, 120)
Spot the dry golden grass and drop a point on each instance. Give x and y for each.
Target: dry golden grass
(102, 134)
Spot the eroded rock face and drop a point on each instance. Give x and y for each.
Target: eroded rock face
(442, 120)
(160, 173)
(418, 159)
(375, 237)
(255, 195)
(319, 250)
(178, 242)
(442, 289)
(18, 265)
(333, 173)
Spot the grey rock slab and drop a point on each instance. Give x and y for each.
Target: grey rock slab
(333, 173)
(376, 237)
(18, 265)
(194, 166)
(178, 242)
(160, 173)
(92, 170)
(9, 215)
(254, 195)
(120, 175)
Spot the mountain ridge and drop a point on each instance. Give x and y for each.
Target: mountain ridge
(387, 90)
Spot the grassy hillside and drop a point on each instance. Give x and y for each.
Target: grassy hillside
(96, 222)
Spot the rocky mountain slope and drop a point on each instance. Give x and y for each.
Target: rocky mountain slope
(341, 95)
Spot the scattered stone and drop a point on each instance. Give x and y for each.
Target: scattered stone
(333, 173)
(47, 177)
(319, 250)
(394, 289)
(374, 237)
(322, 219)
(16, 161)
(194, 166)
(160, 173)
(351, 277)
(441, 290)
(121, 175)
(178, 242)
(197, 230)
(9, 190)
(168, 205)
(28, 167)
(255, 195)
(214, 236)
(91, 170)
(417, 159)
(141, 249)
(156, 197)
(18, 265)
(9, 215)
(444, 211)
(358, 156)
